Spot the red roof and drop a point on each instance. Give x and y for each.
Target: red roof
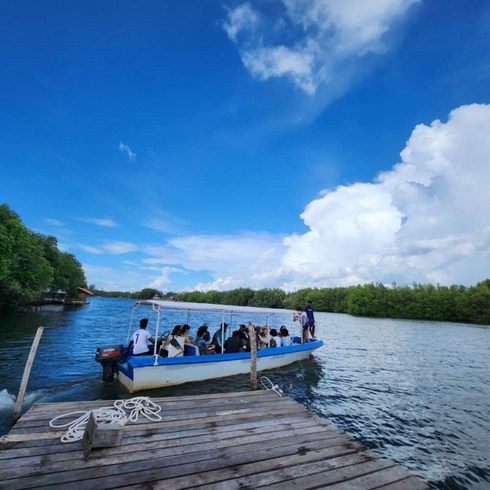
(86, 291)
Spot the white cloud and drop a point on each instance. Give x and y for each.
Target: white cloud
(240, 258)
(53, 222)
(119, 247)
(107, 222)
(281, 61)
(127, 150)
(313, 43)
(427, 219)
(164, 278)
(91, 250)
(112, 248)
(242, 18)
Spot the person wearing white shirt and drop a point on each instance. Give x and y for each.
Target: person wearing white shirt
(300, 316)
(140, 339)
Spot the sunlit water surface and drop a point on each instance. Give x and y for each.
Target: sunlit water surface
(414, 392)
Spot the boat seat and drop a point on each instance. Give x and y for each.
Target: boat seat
(191, 350)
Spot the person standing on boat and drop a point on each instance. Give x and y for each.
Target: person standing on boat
(310, 319)
(140, 339)
(300, 316)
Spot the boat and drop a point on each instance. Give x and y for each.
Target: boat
(172, 364)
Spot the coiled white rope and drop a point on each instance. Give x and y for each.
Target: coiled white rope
(140, 405)
(270, 386)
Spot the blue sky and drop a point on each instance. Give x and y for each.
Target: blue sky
(279, 143)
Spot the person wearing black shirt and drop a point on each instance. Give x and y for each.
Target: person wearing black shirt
(310, 319)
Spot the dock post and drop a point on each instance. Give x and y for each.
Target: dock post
(27, 372)
(253, 356)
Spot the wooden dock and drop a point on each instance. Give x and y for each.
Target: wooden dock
(243, 440)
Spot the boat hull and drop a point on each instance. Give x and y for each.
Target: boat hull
(141, 373)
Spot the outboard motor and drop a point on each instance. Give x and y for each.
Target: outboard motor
(108, 358)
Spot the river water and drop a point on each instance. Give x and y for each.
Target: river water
(414, 392)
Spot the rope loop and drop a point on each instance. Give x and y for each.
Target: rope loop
(140, 405)
(270, 386)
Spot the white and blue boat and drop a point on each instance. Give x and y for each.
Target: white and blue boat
(169, 366)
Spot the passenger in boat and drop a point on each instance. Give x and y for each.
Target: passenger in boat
(184, 332)
(201, 344)
(243, 334)
(264, 338)
(310, 319)
(286, 339)
(300, 316)
(139, 340)
(232, 345)
(245, 343)
(207, 335)
(218, 337)
(275, 339)
(176, 331)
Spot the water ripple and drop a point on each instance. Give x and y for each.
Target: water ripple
(413, 392)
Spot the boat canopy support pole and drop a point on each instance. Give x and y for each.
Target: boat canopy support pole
(157, 326)
(130, 328)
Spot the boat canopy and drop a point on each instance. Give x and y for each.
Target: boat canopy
(160, 305)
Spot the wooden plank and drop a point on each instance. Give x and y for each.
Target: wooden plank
(292, 476)
(144, 441)
(347, 478)
(114, 473)
(272, 470)
(219, 441)
(183, 428)
(170, 402)
(97, 434)
(216, 415)
(36, 418)
(36, 464)
(193, 452)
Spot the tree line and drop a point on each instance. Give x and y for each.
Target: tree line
(31, 264)
(419, 302)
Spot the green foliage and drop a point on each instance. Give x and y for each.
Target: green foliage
(30, 263)
(420, 302)
(268, 298)
(149, 293)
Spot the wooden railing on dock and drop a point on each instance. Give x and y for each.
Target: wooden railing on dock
(221, 441)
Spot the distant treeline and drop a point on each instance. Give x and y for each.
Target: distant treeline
(419, 302)
(31, 264)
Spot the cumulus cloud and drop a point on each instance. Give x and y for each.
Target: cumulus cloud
(163, 279)
(313, 43)
(127, 150)
(233, 261)
(426, 220)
